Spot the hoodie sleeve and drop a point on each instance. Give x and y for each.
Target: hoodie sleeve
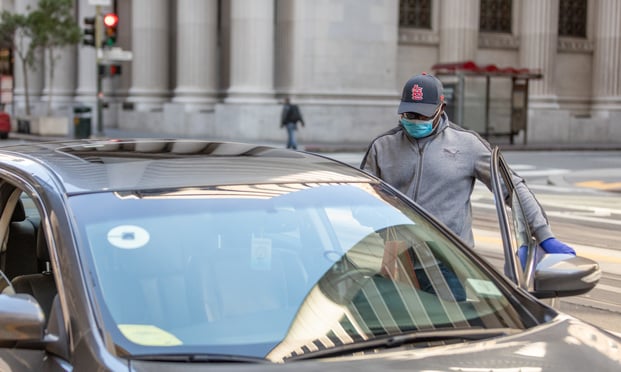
(369, 161)
(534, 212)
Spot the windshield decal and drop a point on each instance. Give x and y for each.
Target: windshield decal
(484, 288)
(128, 237)
(261, 254)
(148, 335)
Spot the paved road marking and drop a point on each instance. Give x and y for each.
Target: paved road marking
(601, 185)
(564, 214)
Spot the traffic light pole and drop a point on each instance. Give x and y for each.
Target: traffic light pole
(99, 54)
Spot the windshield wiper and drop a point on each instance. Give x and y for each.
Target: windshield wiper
(384, 342)
(198, 358)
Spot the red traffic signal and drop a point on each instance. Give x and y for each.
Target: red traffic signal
(110, 20)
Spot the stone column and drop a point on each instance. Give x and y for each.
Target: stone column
(197, 53)
(86, 85)
(59, 83)
(459, 30)
(607, 56)
(538, 45)
(252, 51)
(150, 44)
(60, 91)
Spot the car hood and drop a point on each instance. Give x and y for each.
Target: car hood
(564, 344)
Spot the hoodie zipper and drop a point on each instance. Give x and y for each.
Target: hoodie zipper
(419, 169)
(421, 151)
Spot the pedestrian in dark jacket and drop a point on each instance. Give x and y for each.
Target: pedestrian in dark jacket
(436, 163)
(289, 119)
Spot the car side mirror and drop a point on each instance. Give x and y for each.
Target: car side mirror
(562, 275)
(21, 319)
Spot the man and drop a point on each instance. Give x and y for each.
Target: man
(289, 118)
(436, 164)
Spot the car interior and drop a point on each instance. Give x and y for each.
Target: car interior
(225, 278)
(25, 257)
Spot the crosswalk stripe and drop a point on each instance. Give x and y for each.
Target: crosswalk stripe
(597, 184)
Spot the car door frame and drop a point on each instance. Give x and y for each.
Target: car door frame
(550, 276)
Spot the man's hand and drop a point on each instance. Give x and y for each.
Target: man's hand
(550, 246)
(553, 245)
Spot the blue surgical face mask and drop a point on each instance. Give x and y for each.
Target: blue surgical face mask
(417, 128)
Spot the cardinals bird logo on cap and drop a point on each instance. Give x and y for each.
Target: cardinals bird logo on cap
(417, 93)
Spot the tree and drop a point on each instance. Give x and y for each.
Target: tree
(54, 27)
(16, 32)
(48, 28)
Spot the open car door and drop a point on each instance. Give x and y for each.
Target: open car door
(543, 275)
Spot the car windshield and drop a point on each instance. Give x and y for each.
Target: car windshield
(276, 270)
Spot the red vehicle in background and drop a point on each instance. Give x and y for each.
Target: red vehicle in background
(5, 123)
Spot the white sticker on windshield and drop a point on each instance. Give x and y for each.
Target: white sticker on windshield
(128, 237)
(261, 254)
(484, 288)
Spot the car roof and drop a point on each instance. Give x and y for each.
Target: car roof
(141, 164)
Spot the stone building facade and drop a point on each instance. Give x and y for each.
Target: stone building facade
(219, 68)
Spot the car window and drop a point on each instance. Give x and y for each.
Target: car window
(29, 207)
(20, 222)
(513, 223)
(277, 269)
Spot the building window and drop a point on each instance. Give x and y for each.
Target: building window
(6, 62)
(572, 18)
(415, 13)
(495, 16)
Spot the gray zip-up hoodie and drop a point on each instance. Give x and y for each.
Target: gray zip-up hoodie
(439, 172)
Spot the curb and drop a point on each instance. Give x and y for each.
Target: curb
(561, 147)
(561, 181)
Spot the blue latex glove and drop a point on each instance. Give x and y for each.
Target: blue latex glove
(553, 245)
(522, 253)
(550, 246)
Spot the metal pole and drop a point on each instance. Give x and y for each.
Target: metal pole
(525, 120)
(461, 97)
(99, 54)
(487, 99)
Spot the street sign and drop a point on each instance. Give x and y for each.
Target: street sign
(100, 2)
(113, 55)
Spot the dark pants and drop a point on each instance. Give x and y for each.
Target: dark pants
(291, 128)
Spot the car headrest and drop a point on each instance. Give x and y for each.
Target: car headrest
(19, 214)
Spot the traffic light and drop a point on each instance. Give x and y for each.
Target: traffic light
(89, 31)
(110, 71)
(110, 21)
(115, 70)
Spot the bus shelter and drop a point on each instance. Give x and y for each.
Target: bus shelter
(455, 93)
